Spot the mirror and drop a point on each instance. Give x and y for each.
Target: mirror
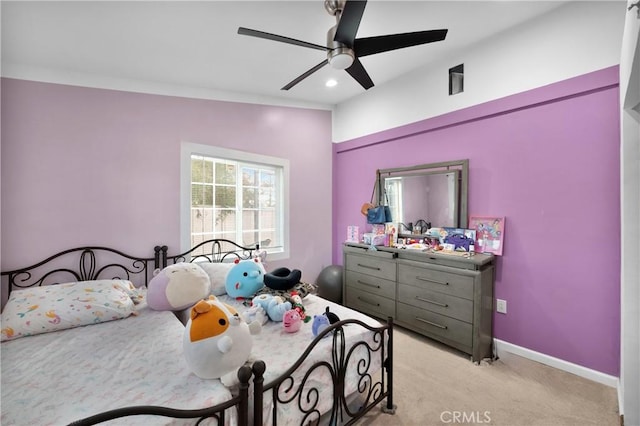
(426, 195)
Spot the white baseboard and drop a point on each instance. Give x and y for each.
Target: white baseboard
(578, 370)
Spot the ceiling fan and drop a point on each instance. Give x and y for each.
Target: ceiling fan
(343, 48)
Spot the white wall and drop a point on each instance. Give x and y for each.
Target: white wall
(571, 40)
(630, 220)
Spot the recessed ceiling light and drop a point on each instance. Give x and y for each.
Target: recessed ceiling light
(331, 83)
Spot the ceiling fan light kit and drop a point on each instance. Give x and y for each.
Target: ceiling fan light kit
(343, 49)
(341, 58)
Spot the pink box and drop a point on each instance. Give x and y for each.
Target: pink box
(353, 234)
(375, 239)
(392, 232)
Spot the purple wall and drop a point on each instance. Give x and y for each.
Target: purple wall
(547, 160)
(90, 166)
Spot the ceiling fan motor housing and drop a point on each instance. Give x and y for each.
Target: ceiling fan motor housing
(340, 56)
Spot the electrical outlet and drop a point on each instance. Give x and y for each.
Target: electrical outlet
(501, 306)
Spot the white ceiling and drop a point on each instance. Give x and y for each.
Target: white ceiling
(195, 44)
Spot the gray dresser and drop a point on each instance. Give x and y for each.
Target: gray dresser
(444, 297)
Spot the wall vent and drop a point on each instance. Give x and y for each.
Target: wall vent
(456, 79)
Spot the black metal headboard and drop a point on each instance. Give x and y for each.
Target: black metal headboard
(215, 250)
(85, 264)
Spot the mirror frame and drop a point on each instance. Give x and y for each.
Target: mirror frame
(424, 169)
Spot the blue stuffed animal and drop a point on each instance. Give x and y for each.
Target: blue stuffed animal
(245, 278)
(273, 306)
(320, 322)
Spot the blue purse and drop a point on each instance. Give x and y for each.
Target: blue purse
(377, 214)
(381, 213)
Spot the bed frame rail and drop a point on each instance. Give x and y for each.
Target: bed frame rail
(214, 251)
(85, 264)
(357, 359)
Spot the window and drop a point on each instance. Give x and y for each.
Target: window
(393, 188)
(234, 195)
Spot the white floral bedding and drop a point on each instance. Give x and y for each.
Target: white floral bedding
(279, 349)
(62, 376)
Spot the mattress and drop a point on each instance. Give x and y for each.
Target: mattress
(56, 378)
(59, 377)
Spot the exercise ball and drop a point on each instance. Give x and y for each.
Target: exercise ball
(330, 283)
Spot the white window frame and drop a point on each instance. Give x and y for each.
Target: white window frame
(187, 149)
(394, 202)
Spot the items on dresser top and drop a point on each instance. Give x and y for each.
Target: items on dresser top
(447, 298)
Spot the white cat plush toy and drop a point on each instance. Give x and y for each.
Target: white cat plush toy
(217, 341)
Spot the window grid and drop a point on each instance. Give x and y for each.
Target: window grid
(393, 188)
(235, 200)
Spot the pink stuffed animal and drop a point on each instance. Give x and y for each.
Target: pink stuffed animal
(292, 321)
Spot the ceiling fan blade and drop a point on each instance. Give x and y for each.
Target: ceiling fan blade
(357, 71)
(350, 21)
(305, 75)
(282, 39)
(372, 45)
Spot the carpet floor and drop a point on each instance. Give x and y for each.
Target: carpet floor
(436, 385)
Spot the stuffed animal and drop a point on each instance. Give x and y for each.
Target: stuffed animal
(245, 278)
(320, 322)
(217, 341)
(291, 321)
(296, 302)
(333, 318)
(263, 257)
(217, 272)
(273, 305)
(177, 287)
(255, 313)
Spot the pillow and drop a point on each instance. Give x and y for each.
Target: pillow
(177, 287)
(56, 307)
(217, 273)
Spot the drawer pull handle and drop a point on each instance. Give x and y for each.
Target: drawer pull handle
(433, 302)
(430, 281)
(368, 267)
(366, 301)
(444, 327)
(367, 284)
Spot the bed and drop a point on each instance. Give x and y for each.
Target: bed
(72, 377)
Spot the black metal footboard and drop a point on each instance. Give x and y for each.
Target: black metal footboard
(346, 366)
(217, 412)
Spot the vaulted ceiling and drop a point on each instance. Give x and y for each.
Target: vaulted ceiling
(195, 45)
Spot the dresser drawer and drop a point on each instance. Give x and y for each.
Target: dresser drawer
(446, 298)
(437, 280)
(445, 304)
(434, 324)
(371, 265)
(370, 283)
(370, 303)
